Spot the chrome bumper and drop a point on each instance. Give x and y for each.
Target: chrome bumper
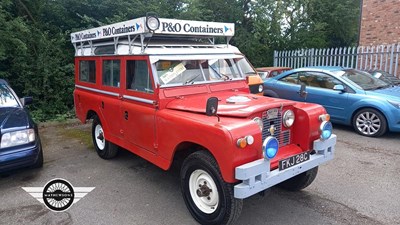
(256, 175)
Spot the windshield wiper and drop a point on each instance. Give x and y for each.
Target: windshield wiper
(226, 77)
(191, 81)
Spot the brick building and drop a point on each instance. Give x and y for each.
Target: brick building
(380, 22)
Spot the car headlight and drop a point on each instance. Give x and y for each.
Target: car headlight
(288, 118)
(270, 147)
(260, 88)
(326, 130)
(259, 121)
(394, 103)
(17, 138)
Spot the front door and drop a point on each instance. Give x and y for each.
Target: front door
(138, 109)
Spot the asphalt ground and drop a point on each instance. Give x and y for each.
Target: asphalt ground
(360, 186)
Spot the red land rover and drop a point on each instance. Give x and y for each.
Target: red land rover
(162, 89)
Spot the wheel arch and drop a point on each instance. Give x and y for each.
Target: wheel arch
(367, 107)
(184, 149)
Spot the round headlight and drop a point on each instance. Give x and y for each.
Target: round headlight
(326, 130)
(153, 23)
(260, 88)
(259, 121)
(288, 118)
(270, 147)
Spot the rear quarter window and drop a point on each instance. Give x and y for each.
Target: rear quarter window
(87, 71)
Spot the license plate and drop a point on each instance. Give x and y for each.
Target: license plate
(293, 160)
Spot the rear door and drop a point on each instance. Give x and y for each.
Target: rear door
(138, 106)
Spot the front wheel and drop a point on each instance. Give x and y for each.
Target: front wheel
(207, 196)
(370, 123)
(104, 148)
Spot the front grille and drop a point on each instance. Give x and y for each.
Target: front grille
(282, 136)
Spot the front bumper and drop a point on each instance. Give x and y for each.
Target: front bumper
(256, 176)
(19, 157)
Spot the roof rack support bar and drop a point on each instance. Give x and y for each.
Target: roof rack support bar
(116, 45)
(81, 47)
(130, 42)
(91, 47)
(76, 49)
(228, 39)
(142, 43)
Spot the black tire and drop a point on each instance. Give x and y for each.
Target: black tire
(39, 161)
(369, 122)
(104, 148)
(228, 208)
(300, 181)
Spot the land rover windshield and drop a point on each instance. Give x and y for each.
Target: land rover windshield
(201, 69)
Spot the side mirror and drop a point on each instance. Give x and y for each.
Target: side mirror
(303, 92)
(26, 101)
(212, 106)
(338, 87)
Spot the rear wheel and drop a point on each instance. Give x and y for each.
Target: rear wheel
(370, 123)
(104, 148)
(300, 181)
(207, 196)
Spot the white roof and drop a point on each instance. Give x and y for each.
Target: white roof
(167, 27)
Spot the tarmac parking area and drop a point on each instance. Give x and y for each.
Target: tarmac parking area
(360, 186)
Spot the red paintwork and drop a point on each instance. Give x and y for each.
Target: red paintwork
(177, 119)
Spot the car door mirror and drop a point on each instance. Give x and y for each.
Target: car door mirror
(212, 106)
(338, 87)
(26, 101)
(303, 91)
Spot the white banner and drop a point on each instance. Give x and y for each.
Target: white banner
(167, 26)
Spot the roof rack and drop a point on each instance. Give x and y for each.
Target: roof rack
(144, 28)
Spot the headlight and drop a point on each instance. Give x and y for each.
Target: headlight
(259, 121)
(288, 118)
(260, 88)
(395, 104)
(153, 23)
(270, 147)
(326, 130)
(17, 138)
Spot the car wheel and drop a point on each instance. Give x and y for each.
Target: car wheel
(207, 196)
(300, 181)
(370, 123)
(104, 148)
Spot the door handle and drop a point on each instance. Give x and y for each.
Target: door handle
(126, 115)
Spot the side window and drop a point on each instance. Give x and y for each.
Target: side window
(137, 76)
(292, 78)
(320, 80)
(87, 71)
(111, 72)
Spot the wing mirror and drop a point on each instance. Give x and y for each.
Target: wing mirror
(26, 101)
(338, 87)
(303, 92)
(212, 107)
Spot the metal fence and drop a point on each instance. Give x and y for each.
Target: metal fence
(383, 57)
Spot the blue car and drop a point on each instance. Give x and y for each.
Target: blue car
(20, 143)
(351, 97)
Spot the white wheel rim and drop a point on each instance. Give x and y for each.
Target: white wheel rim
(209, 203)
(99, 137)
(368, 123)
